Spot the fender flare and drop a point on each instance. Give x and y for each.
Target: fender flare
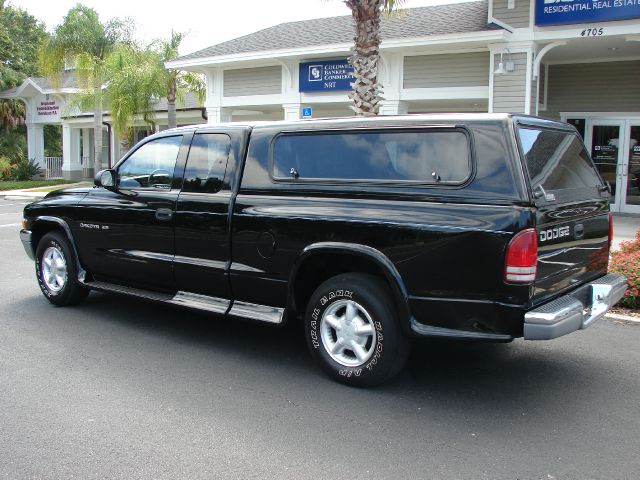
(67, 231)
(393, 277)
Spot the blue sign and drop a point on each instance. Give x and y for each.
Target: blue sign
(325, 76)
(307, 112)
(557, 12)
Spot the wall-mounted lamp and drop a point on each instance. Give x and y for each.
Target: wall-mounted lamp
(505, 67)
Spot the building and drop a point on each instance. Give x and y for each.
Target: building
(47, 104)
(575, 60)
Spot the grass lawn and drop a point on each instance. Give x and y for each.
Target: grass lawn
(58, 187)
(15, 185)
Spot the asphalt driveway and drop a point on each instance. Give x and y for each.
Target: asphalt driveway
(117, 388)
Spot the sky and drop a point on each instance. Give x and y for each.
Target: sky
(206, 22)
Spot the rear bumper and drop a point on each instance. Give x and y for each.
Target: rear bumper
(576, 310)
(25, 237)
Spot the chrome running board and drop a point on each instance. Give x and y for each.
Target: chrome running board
(196, 301)
(261, 313)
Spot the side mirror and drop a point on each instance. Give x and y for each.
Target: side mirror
(106, 179)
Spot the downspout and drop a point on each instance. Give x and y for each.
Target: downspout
(108, 143)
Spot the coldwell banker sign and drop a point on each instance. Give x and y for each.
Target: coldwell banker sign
(325, 75)
(556, 12)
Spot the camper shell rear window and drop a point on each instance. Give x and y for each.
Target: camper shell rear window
(558, 165)
(439, 156)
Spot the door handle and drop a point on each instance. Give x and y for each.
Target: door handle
(164, 214)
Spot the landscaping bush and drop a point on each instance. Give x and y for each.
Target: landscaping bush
(25, 170)
(5, 168)
(627, 262)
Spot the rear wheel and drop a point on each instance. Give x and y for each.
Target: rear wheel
(57, 271)
(352, 330)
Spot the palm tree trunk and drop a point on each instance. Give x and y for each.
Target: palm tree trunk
(366, 92)
(171, 103)
(97, 137)
(124, 142)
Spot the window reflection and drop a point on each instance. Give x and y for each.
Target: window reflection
(151, 165)
(416, 156)
(557, 161)
(207, 163)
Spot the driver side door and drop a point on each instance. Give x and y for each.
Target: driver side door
(126, 235)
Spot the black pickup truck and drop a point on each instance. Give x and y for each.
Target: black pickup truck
(370, 231)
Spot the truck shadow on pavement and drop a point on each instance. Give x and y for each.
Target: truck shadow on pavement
(444, 377)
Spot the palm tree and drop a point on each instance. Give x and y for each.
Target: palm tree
(135, 85)
(177, 82)
(366, 92)
(83, 43)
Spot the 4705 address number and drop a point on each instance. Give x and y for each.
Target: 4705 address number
(592, 32)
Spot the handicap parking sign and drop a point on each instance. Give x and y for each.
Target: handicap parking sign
(307, 112)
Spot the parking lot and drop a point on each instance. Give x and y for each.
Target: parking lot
(119, 388)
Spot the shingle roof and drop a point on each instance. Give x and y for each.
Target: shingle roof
(410, 23)
(67, 80)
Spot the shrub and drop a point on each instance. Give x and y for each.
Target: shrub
(5, 168)
(627, 262)
(25, 170)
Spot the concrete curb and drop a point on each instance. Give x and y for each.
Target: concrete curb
(19, 196)
(625, 318)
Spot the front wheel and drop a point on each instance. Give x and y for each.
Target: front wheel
(57, 271)
(352, 330)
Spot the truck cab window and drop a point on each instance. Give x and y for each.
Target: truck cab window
(151, 165)
(207, 163)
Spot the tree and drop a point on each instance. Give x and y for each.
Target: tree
(366, 92)
(177, 82)
(20, 35)
(83, 43)
(135, 85)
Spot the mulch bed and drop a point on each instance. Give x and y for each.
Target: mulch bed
(626, 311)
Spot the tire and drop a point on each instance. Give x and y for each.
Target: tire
(57, 271)
(353, 332)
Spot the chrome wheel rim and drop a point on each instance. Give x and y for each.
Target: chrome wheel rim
(348, 333)
(54, 269)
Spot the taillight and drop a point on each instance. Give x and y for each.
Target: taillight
(521, 259)
(610, 230)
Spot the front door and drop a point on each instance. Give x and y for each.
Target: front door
(125, 235)
(631, 168)
(614, 145)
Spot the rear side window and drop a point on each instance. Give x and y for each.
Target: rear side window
(416, 156)
(558, 164)
(207, 163)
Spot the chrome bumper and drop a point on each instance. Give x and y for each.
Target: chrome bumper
(25, 237)
(576, 310)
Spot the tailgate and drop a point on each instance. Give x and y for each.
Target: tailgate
(572, 214)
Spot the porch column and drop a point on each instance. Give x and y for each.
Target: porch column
(512, 89)
(71, 166)
(35, 143)
(218, 115)
(87, 147)
(291, 111)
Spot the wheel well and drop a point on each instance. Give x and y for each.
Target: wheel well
(322, 266)
(40, 229)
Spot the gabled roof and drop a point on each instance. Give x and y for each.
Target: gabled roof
(409, 23)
